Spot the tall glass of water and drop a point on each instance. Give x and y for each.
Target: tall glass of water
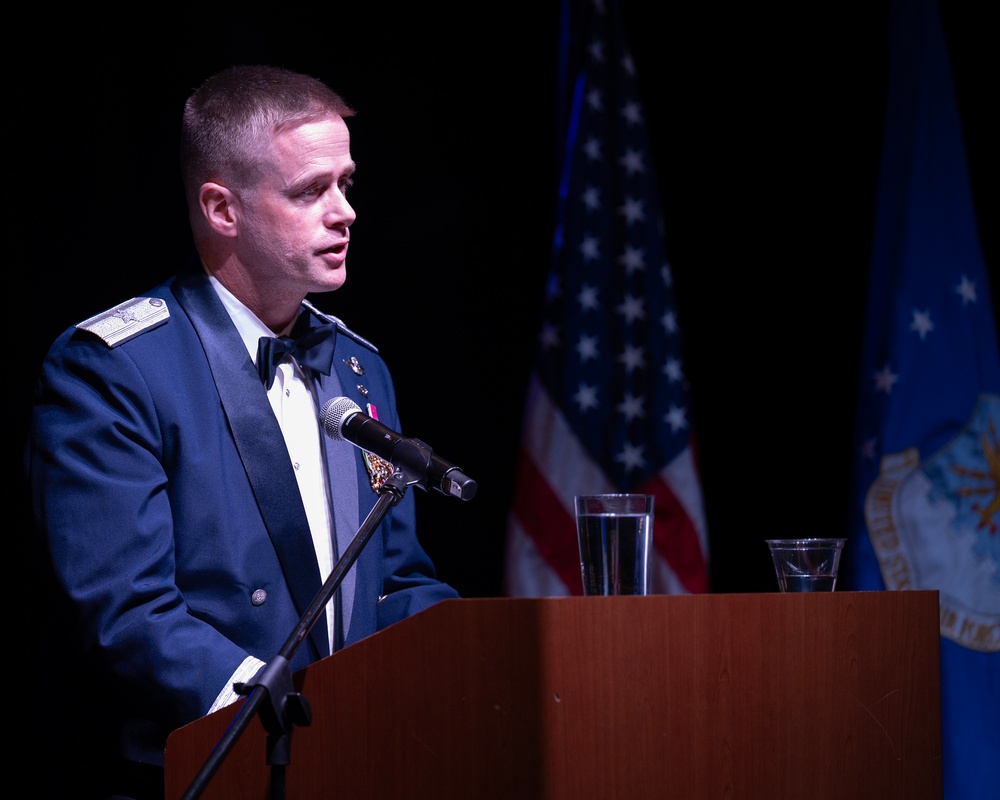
(615, 533)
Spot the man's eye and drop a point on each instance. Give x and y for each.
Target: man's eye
(346, 184)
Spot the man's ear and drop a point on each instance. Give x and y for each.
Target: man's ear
(220, 208)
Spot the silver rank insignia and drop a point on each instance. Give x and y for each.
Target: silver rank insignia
(127, 320)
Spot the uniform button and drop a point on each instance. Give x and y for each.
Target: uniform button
(258, 597)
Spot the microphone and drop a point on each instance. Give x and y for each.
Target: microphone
(343, 420)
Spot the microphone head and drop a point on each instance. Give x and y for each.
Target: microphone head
(335, 413)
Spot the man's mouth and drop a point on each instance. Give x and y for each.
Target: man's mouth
(337, 249)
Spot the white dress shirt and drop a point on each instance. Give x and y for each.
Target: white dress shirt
(294, 404)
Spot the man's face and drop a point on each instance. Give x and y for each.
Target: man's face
(293, 230)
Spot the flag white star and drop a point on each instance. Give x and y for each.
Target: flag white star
(632, 113)
(631, 407)
(676, 418)
(667, 275)
(587, 298)
(669, 321)
(586, 397)
(595, 100)
(590, 248)
(885, 380)
(587, 347)
(592, 148)
(631, 457)
(632, 259)
(922, 323)
(632, 161)
(672, 369)
(633, 358)
(632, 308)
(591, 199)
(633, 211)
(966, 290)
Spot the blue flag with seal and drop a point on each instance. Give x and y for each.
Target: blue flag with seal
(926, 513)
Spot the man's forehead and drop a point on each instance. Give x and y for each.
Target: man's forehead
(315, 141)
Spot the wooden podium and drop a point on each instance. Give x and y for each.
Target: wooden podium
(708, 696)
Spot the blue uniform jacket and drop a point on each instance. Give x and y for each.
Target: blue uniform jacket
(167, 499)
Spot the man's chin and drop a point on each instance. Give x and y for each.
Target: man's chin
(331, 281)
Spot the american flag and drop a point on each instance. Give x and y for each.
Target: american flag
(927, 476)
(607, 404)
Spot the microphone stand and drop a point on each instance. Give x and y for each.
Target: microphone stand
(271, 690)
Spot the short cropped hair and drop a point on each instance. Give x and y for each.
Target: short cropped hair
(230, 120)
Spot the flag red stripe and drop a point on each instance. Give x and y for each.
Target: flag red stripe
(675, 537)
(544, 519)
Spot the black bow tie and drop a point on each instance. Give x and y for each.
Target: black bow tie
(311, 347)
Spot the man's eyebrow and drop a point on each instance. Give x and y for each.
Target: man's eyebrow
(346, 172)
(323, 175)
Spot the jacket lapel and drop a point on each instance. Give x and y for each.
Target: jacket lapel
(341, 464)
(260, 444)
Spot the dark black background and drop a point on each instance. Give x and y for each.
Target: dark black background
(766, 126)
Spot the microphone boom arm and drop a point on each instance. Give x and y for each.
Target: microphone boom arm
(271, 691)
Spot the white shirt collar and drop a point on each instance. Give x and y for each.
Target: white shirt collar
(247, 323)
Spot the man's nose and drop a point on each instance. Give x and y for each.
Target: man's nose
(340, 212)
